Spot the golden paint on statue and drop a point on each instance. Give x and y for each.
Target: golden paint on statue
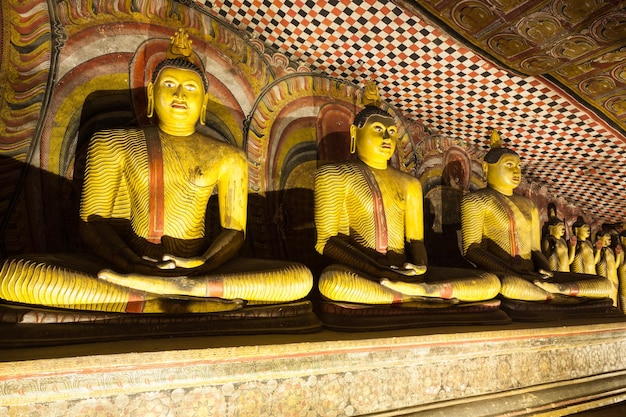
(608, 261)
(369, 221)
(502, 234)
(621, 272)
(559, 252)
(143, 211)
(585, 258)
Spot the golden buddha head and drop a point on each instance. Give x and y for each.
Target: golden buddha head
(373, 136)
(604, 238)
(581, 229)
(557, 230)
(178, 90)
(505, 174)
(555, 226)
(502, 166)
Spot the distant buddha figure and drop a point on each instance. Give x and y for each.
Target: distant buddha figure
(502, 234)
(368, 218)
(585, 258)
(608, 261)
(559, 253)
(143, 209)
(621, 272)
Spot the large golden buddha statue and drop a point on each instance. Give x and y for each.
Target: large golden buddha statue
(143, 210)
(368, 217)
(502, 233)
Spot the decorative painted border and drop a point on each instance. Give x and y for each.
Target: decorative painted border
(327, 378)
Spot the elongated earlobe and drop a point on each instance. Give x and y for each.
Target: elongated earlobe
(150, 106)
(203, 111)
(352, 139)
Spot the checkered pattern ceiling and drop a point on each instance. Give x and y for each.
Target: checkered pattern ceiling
(433, 78)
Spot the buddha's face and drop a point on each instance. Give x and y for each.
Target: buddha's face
(557, 230)
(583, 232)
(376, 140)
(606, 240)
(179, 96)
(506, 173)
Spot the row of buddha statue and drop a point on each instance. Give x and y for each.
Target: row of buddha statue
(602, 254)
(144, 202)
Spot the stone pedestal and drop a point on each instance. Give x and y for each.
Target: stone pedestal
(514, 370)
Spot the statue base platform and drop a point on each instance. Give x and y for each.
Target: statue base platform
(361, 317)
(24, 325)
(539, 311)
(544, 369)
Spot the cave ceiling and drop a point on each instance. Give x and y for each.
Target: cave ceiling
(549, 75)
(581, 44)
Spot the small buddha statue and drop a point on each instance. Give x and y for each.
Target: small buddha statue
(559, 252)
(369, 222)
(621, 272)
(502, 233)
(608, 261)
(585, 257)
(142, 212)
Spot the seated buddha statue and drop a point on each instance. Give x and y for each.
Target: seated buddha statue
(368, 218)
(559, 252)
(142, 212)
(502, 233)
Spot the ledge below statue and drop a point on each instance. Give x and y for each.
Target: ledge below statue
(26, 325)
(517, 369)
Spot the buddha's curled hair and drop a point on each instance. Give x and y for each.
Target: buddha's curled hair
(494, 155)
(497, 150)
(182, 64)
(362, 116)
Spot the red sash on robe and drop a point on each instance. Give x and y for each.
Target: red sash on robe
(512, 229)
(157, 194)
(380, 220)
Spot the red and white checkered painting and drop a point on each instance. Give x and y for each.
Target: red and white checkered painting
(437, 80)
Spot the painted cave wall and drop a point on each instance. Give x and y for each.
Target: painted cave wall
(72, 67)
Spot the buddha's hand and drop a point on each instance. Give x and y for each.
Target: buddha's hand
(545, 274)
(148, 266)
(171, 262)
(167, 263)
(573, 240)
(410, 270)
